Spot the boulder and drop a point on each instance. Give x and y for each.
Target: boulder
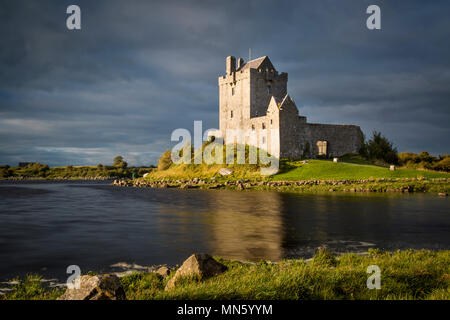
(163, 271)
(202, 266)
(100, 287)
(225, 171)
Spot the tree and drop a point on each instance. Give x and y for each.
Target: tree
(379, 147)
(120, 162)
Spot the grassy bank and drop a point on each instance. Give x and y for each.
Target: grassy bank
(405, 274)
(328, 170)
(310, 176)
(296, 170)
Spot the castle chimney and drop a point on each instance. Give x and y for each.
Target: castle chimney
(231, 64)
(240, 63)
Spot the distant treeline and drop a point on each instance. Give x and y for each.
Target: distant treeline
(424, 160)
(119, 169)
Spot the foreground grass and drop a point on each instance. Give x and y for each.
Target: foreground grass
(31, 288)
(407, 274)
(404, 275)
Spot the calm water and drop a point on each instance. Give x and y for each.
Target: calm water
(44, 227)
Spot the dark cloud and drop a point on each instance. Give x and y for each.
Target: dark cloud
(139, 69)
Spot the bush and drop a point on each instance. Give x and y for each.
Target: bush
(165, 161)
(5, 172)
(408, 158)
(443, 165)
(424, 160)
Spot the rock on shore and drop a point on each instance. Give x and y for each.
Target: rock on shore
(100, 287)
(202, 266)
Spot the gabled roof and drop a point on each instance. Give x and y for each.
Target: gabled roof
(256, 63)
(285, 104)
(288, 104)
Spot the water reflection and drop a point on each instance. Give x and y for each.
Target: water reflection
(50, 226)
(247, 226)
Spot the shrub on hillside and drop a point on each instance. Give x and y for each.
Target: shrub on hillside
(165, 161)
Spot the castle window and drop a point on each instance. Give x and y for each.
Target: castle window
(264, 140)
(268, 89)
(232, 91)
(271, 121)
(253, 127)
(263, 126)
(231, 114)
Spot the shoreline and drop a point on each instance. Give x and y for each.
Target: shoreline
(440, 186)
(380, 185)
(324, 276)
(18, 179)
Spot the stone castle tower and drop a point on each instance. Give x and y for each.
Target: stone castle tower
(253, 96)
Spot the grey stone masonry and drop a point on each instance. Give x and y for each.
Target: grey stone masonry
(253, 97)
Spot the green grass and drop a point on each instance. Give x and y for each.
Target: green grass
(407, 274)
(360, 176)
(31, 288)
(381, 177)
(404, 275)
(328, 170)
(296, 170)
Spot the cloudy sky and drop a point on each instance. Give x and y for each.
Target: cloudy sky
(137, 70)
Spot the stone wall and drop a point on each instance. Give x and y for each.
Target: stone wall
(341, 139)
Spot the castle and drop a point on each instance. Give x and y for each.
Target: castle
(253, 96)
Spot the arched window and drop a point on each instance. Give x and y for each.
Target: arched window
(263, 126)
(268, 90)
(231, 114)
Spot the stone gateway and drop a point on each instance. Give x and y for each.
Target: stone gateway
(253, 98)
